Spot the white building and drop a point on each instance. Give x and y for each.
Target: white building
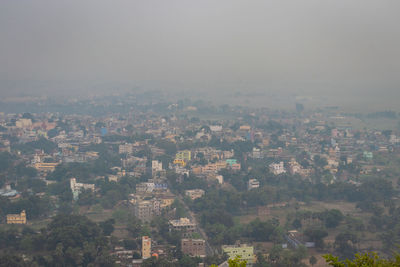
(194, 193)
(125, 149)
(76, 188)
(220, 179)
(277, 168)
(156, 166)
(215, 128)
(252, 184)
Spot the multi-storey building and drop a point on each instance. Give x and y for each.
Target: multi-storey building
(277, 168)
(144, 210)
(184, 155)
(125, 149)
(194, 247)
(194, 193)
(183, 225)
(146, 247)
(76, 188)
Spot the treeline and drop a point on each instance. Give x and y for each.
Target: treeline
(34, 206)
(69, 240)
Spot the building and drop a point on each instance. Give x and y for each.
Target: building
(294, 167)
(277, 168)
(194, 247)
(166, 200)
(76, 188)
(146, 247)
(220, 179)
(180, 162)
(368, 155)
(244, 251)
(23, 123)
(184, 155)
(46, 167)
(156, 166)
(235, 167)
(145, 210)
(125, 149)
(194, 193)
(183, 225)
(216, 128)
(145, 187)
(252, 184)
(230, 162)
(17, 218)
(256, 153)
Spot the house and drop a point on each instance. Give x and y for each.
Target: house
(76, 188)
(125, 149)
(184, 155)
(277, 168)
(245, 252)
(194, 193)
(252, 184)
(156, 166)
(46, 167)
(17, 218)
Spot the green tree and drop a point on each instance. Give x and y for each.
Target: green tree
(363, 260)
(313, 260)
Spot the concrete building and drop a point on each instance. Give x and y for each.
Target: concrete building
(184, 155)
(194, 193)
(244, 251)
(180, 162)
(144, 210)
(17, 218)
(194, 247)
(23, 123)
(277, 168)
(146, 247)
(46, 167)
(76, 188)
(252, 184)
(145, 187)
(125, 149)
(220, 179)
(294, 167)
(183, 225)
(230, 162)
(156, 166)
(235, 167)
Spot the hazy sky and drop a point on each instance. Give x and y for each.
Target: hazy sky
(281, 44)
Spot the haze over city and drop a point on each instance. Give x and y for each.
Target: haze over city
(303, 48)
(208, 133)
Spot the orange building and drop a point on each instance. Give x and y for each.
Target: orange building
(17, 218)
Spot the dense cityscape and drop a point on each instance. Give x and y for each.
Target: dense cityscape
(206, 133)
(124, 181)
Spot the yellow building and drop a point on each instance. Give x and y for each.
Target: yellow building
(244, 251)
(17, 218)
(166, 201)
(43, 166)
(146, 247)
(184, 155)
(180, 162)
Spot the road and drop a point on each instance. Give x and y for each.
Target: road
(192, 217)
